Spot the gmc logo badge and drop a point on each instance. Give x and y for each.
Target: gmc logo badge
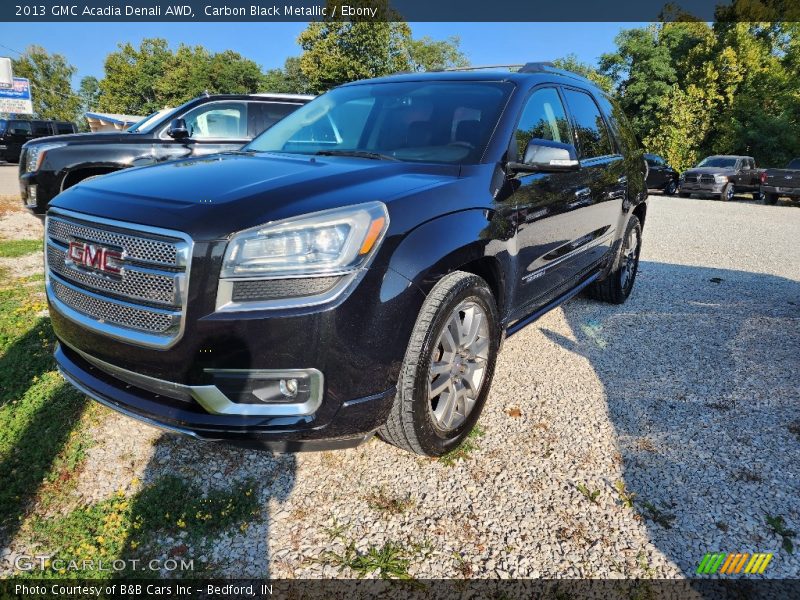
(94, 257)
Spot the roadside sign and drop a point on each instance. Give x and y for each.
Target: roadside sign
(18, 98)
(6, 75)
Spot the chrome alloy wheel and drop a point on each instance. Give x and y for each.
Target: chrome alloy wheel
(458, 365)
(630, 259)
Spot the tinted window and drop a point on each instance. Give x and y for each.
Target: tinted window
(263, 115)
(591, 129)
(726, 162)
(543, 118)
(41, 128)
(218, 120)
(63, 128)
(425, 121)
(22, 127)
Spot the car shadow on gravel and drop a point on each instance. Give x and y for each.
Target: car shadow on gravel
(246, 486)
(700, 373)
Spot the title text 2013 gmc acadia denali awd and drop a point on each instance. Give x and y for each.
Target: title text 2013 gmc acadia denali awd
(353, 269)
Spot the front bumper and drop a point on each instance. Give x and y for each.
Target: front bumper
(702, 188)
(176, 410)
(793, 192)
(46, 190)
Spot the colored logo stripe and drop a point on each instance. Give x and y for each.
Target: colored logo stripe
(733, 562)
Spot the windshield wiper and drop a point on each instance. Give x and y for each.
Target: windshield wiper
(357, 154)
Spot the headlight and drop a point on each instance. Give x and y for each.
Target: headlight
(36, 154)
(332, 241)
(720, 178)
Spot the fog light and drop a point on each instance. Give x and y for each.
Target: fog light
(294, 386)
(32, 194)
(289, 387)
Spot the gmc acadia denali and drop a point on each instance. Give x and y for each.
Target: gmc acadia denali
(353, 269)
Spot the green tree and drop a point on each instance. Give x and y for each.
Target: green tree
(288, 80)
(571, 63)
(131, 77)
(336, 52)
(51, 83)
(427, 54)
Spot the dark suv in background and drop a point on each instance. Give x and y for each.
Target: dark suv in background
(205, 125)
(353, 269)
(15, 133)
(660, 176)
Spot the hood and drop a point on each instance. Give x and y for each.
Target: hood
(711, 171)
(212, 197)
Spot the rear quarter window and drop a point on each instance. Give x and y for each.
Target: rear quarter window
(63, 128)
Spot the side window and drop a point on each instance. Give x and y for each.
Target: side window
(542, 118)
(593, 136)
(62, 128)
(263, 115)
(21, 127)
(218, 120)
(41, 128)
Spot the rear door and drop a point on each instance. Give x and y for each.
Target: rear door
(263, 115)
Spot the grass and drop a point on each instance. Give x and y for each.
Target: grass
(39, 442)
(384, 502)
(122, 527)
(778, 526)
(390, 561)
(465, 450)
(657, 515)
(16, 248)
(627, 498)
(590, 495)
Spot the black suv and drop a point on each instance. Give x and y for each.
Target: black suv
(355, 268)
(205, 125)
(14, 133)
(660, 176)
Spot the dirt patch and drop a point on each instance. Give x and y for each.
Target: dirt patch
(23, 266)
(19, 225)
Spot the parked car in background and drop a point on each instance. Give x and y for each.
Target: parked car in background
(14, 133)
(353, 269)
(723, 177)
(660, 176)
(205, 125)
(782, 182)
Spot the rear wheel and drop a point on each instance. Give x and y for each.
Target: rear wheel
(447, 371)
(758, 196)
(671, 188)
(770, 198)
(617, 286)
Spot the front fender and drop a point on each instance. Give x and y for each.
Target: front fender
(447, 243)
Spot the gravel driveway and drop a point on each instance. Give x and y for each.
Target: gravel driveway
(617, 441)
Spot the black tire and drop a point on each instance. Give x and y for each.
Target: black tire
(684, 194)
(770, 198)
(411, 424)
(758, 196)
(727, 193)
(671, 188)
(618, 284)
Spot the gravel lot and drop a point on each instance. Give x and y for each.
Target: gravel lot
(9, 185)
(686, 395)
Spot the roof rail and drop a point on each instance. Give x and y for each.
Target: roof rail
(548, 67)
(483, 67)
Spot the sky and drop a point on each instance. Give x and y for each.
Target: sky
(85, 45)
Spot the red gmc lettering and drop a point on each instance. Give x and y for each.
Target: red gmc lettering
(94, 257)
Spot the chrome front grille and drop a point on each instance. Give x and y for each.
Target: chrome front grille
(690, 178)
(707, 178)
(144, 303)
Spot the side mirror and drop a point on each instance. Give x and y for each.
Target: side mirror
(546, 156)
(177, 129)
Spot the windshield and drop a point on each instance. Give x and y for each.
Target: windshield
(795, 164)
(718, 161)
(149, 121)
(419, 121)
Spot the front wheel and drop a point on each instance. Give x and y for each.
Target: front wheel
(447, 371)
(671, 188)
(728, 192)
(618, 284)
